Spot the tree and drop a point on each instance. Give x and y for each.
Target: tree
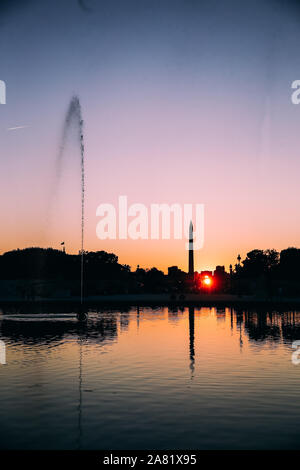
(290, 263)
(259, 262)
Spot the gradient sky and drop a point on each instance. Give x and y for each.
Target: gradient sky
(184, 101)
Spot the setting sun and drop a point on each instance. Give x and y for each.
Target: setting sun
(207, 281)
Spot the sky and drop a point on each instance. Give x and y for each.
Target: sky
(183, 101)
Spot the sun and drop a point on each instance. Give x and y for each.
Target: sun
(207, 281)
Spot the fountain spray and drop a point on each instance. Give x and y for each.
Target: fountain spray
(74, 116)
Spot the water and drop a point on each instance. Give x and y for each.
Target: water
(74, 118)
(150, 379)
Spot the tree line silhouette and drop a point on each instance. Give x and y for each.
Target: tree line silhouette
(266, 271)
(284, 265)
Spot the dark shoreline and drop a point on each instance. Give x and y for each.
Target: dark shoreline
(152, 300)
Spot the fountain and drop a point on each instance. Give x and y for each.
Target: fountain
(74, 116)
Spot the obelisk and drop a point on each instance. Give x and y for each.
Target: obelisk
(191, 250)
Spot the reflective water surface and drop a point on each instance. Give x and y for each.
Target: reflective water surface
(150, 378)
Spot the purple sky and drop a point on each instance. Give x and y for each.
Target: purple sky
(183, 101)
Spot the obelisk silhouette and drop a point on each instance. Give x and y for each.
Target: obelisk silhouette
(191, 250)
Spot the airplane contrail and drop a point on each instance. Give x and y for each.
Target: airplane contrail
(17, 127)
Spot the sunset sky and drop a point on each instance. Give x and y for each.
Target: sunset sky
(183, 101)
